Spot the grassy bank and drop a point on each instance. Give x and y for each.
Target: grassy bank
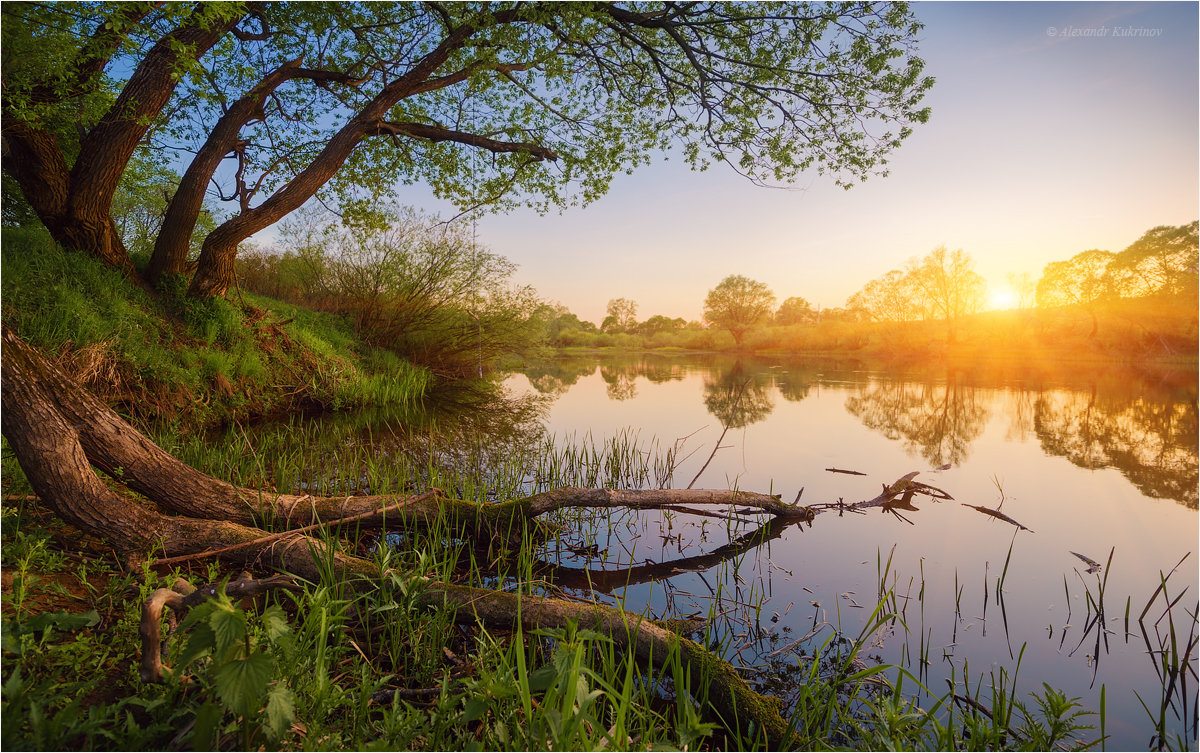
(162, 358)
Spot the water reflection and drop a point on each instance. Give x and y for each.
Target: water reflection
(737, 395)
(1152, 442)
(1139, 421)
(618, 382)
(938, 421)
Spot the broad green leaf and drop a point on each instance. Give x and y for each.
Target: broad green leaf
(206, 727)
(241, 683)
(275, 622)
(60, 620)
(476, 707)
(229, 627)
(281, 709)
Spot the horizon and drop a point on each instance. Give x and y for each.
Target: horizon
(1074, 124)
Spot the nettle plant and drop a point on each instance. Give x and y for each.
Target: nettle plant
(235, 654)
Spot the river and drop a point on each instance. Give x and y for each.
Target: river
(1078, 462)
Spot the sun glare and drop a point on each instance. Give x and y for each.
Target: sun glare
(1002, 298)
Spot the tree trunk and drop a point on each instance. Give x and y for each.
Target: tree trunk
(174, 240)
(50, 424)
(75, 203)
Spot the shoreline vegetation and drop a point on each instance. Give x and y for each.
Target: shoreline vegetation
(1160, 330)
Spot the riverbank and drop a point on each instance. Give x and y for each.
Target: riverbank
(336, 664)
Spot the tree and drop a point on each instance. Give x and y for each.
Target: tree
(496, 104)
(659, 323)
(1163, 261)
(622, 315)
(893, 297)
(738, 303)
(1024, 287)
(794, 310)
(1081, 280)
(949, 285)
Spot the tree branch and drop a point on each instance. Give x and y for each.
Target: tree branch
(437, 134)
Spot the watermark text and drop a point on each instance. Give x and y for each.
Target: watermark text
(1103, 32)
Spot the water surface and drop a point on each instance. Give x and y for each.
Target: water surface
(1092, 459)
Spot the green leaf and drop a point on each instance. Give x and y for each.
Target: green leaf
(475, 708)
(281, 709)
(241, 683)
(275, 622)
(229, 627)
(206, 727)
(60, 620)
(201, 641)
(542, 678)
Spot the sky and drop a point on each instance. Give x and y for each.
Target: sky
(1056, 128)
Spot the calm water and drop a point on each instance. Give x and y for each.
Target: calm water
(1092, 459)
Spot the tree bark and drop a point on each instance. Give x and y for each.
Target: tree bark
(75, 203)
(174, 240)
(50, 448)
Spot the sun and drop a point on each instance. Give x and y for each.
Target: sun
(1002, 298)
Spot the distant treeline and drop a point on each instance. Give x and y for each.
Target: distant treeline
(428, 291)
(1139, 302)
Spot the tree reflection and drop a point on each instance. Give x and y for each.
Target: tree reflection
(555, 377)
(1151, 441)
(738, 396)
(619, 381)
(796, 379)
(938, 421)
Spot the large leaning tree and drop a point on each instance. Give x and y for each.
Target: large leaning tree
(268, 105)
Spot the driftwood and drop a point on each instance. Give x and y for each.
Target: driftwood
(995, 513)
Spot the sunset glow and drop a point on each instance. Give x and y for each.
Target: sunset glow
(1002, 298)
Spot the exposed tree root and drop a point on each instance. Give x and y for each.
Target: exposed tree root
(58, 431)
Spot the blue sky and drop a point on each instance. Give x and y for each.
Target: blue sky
(1056, 128)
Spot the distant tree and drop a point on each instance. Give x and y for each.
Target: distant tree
(890, 298)
(659, 323)
(1081, 280)
(794, 310)
(738, 303)
(949, 285)
(1025, 288)
(1162, 261)
(622, 315)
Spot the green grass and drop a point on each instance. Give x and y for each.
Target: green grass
(166, 358)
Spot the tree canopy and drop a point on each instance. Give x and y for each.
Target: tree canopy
(794, 310)
(738, 303)
(491, 104)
